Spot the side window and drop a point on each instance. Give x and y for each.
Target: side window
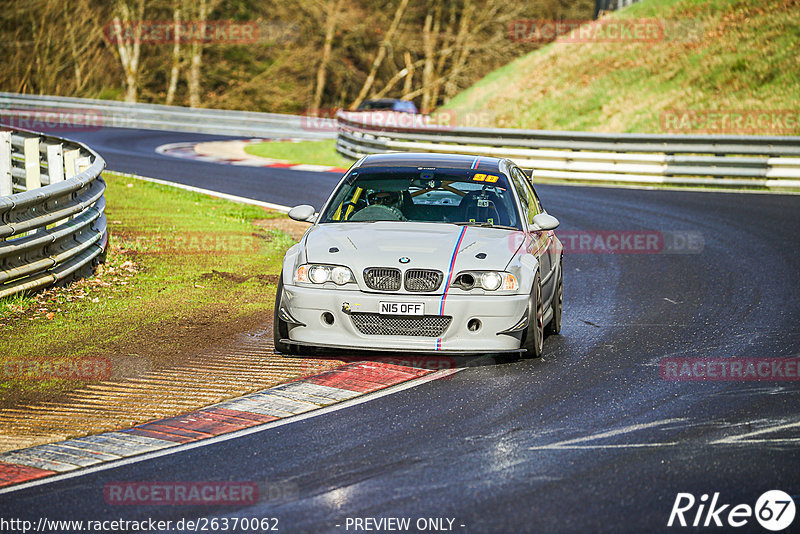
(539, 208)
(519, 185)
(532, 205)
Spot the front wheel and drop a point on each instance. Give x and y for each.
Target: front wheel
(533, 339)
(280, 330)
(554, 326)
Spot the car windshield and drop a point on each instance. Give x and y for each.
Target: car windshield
(376, 105)
(456, 196)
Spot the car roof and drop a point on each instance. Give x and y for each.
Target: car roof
(386, 100)
(416, 160)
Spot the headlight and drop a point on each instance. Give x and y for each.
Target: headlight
(319, 274)
(341, 275)
(487, 280)
(491, 281)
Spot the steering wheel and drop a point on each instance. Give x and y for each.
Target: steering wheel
(378, 212)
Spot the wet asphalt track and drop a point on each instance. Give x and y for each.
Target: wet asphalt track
(133, 151)
(588, 438)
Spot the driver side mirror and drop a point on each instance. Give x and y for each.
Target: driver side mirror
(303, 213)
(544, 221)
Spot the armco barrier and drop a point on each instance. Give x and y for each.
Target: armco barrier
(66, 114)
(723, 160)
(52, 222)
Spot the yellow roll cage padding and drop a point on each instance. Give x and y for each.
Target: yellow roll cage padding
(350, 207)
(357, 194)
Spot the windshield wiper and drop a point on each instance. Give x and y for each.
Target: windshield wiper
(486, 225)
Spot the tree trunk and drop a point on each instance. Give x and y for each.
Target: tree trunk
(129, 51)
(427, 88)
(444, 55)
(176, 58)
(196, 62)
(462, 49)
(330, 30)
(376, 63)
(73, 48)
(406, 72)
(427, 70)
(408, 83)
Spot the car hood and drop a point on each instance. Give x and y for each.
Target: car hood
(426, 245)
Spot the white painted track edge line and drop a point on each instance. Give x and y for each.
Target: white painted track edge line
(210, 192)
(233, 435)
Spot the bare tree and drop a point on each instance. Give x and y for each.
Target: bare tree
(379, 57)
(128, 50)
(196, 61)
(332, 12)
(428, 42)
(409, 77)
(406, 73)
(445, 53)
(462, 46)
(204, 9)
(427, 50)
(176, 55)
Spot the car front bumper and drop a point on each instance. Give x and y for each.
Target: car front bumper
(311, 310)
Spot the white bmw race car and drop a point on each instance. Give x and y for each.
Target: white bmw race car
(423, 253)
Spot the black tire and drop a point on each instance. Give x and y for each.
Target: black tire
(554, 326)
(533, 338)
(280, 330)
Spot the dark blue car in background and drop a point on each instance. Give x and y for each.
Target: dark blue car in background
(389, 104)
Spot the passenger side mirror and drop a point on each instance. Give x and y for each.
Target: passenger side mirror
(303, 213)
(544, 221)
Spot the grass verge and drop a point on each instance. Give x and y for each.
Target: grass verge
(309, 152)
(184, 271)
(723, 56)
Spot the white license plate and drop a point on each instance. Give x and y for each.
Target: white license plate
(402, 308)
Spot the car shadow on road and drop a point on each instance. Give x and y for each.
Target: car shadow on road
(430, 362)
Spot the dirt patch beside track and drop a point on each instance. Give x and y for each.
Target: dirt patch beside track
(205, 363)
(178, 318)
(295, 229)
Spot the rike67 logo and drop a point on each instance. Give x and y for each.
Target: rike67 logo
(774, 510)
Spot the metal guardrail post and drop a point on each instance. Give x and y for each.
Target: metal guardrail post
(6, 179)
(70, 163)
(55, 163)
(54, 230)
(33, 173)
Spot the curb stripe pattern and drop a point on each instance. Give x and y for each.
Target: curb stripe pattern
(187, 151)
(285, 400)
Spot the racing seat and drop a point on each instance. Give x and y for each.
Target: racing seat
(481, 206)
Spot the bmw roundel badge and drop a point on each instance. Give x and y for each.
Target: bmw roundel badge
(405, 259)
